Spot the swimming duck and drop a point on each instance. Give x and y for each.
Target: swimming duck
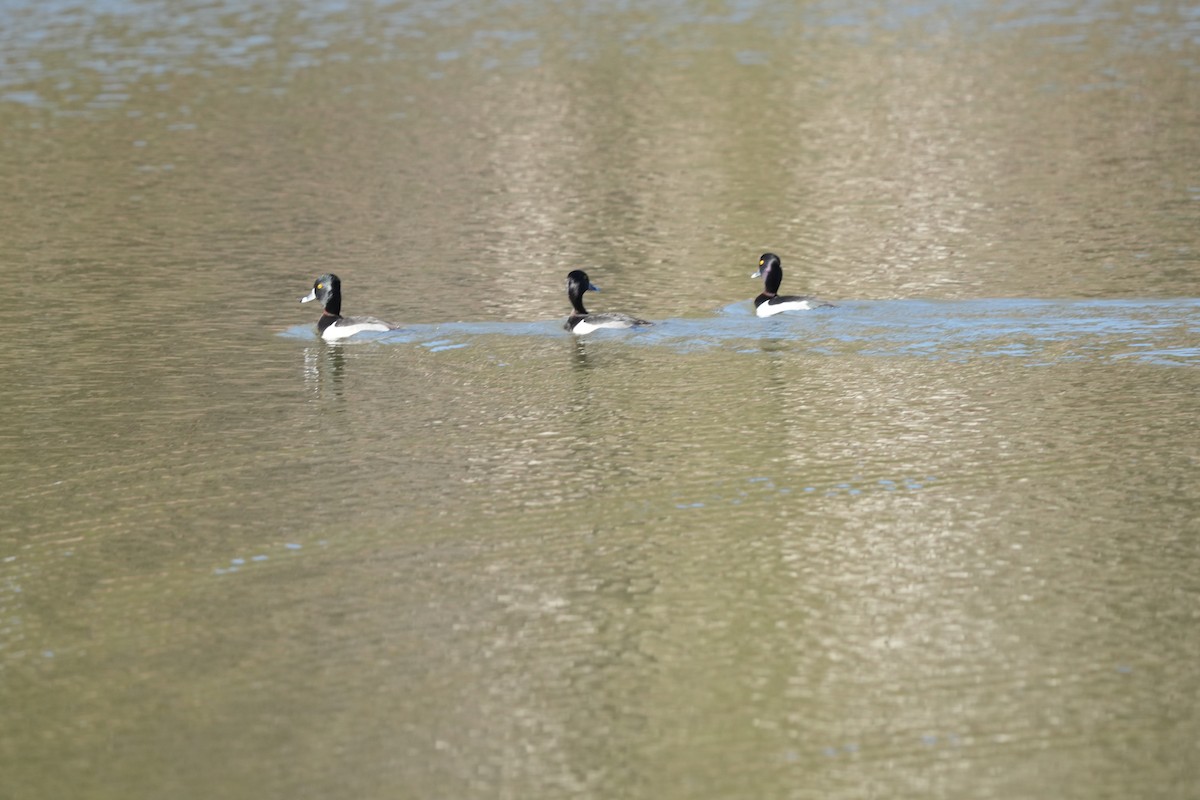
(769, 302)
(581, 321)
(327, 289)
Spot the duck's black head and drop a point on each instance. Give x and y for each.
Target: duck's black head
(771, 271)
(577, 284)
(327, 290)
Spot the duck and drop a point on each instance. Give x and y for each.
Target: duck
(770, 302)
(581, 321)
(327, 290)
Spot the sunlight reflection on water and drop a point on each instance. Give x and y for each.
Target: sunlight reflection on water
(129, 41)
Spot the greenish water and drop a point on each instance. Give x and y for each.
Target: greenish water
(939, 541)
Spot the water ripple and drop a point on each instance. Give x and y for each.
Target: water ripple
(1042, 332)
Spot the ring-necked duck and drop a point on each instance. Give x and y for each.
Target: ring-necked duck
(581, 321)
(769, 302)
(327, 289)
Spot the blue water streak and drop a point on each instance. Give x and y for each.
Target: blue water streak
(1037, 332)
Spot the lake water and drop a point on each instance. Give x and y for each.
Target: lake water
(940, 541)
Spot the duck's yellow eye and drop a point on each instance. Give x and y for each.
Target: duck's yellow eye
(761, 262)
(322, 286)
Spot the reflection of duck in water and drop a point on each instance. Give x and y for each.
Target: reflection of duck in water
(327, 289)
(770, 302)
(581, 321)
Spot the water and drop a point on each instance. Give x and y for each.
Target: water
(938, 541)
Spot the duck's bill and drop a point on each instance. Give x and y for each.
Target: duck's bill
(757, 274)
(312, 295)
(593, 287)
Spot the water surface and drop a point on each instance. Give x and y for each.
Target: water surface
(938, 541)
